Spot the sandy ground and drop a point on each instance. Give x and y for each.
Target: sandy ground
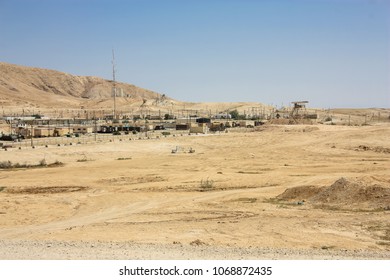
(137, 199)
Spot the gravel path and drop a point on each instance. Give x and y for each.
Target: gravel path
(57, 250)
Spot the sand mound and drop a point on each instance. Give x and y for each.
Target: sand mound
(299, 193)
(343, 193)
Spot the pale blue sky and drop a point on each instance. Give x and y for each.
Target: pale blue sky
(333, 53)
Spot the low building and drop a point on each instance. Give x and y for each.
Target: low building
(247, 123)
(182, 126)
(107, 129)
(82, 129)
(217, 126)
(201, 128)
(26, 132)
(169, 125)
(203, 120)
(62, 131)
(43, 131)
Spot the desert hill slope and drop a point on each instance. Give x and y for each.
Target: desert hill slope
(25, 90)
(36, 87)
(29, 89)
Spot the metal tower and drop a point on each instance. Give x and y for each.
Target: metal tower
(114, 83)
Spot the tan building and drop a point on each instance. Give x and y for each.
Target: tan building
(61, 131)
(83, 129)
(43, 131)
(202, 128)
(247, 123)
(25, 132)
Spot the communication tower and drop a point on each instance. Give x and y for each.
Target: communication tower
(114, 83)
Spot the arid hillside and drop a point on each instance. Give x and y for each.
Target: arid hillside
(40, 88)
(30, 90)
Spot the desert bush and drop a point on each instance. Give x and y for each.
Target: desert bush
(206, 184)
(5, 164)
(54, 164)
(42, 163)
(123, 158)
(328, 119)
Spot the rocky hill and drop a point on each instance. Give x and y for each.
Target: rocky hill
(26, 90)
(22, 86)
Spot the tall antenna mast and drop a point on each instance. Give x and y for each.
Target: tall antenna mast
(113, 78)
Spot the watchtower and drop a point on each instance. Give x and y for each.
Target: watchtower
(298, 110)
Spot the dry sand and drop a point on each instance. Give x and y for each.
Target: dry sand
(136, 199)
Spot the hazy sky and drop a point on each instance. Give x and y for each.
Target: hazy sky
(333, 53)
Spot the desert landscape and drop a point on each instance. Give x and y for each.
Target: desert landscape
(318, 190)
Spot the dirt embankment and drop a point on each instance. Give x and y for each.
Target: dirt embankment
(343, 194)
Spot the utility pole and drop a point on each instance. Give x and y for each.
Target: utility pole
(113, 78)
(32, 132)
(94, 118)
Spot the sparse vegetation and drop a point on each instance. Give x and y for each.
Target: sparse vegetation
(2, 189)
(328, 119)
(206, 185)
(56, 163)
(383, 243)
(84, 159)
(247, 199)
(235, 115)
(42, 163)
(6, 164)
(197, 242)
(123, 158)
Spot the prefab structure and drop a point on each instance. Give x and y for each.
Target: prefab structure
(26, 132)
(182, 126)
(83, 129)
(61, 131)
(43, 132)
(247, 123)
(202, 128)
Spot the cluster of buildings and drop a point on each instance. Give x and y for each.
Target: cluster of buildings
(26, 127)
(39, 126)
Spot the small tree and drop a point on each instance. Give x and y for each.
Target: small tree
(235, 115)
